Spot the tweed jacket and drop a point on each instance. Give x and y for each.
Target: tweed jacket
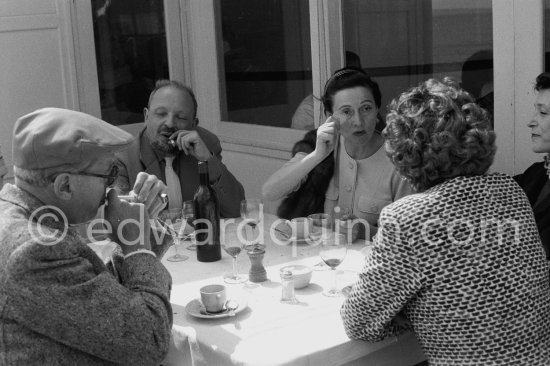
(464, 263)
(59, 305)
(532, 181)
(140, 157)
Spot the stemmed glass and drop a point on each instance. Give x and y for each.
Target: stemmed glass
(320, 229)
(232, 246)
(251, 212)
(333, 252)
(189, 216)
(172, 220)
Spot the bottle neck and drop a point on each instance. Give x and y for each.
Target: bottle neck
(203, 173)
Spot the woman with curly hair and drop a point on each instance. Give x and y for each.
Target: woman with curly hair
(461, 261)
(535, 180)
(363, 180)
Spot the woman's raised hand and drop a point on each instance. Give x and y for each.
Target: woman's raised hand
(327, 134)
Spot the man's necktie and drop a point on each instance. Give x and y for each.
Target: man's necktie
(173, 184)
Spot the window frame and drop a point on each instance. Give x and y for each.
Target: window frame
(242, 137)
(177, 46)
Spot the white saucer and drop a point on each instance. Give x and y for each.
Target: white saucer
(302, 241)
(196, 309)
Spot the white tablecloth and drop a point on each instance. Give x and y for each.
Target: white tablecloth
(271, 333)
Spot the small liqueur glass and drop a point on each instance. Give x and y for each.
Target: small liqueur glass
(251, 212)
(172, 220)
(232, 246)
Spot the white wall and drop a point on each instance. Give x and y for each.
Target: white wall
(252, 171)
(36, 62)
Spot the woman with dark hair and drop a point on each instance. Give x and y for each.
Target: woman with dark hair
(535, 180)
(461, 261)
(364, 181)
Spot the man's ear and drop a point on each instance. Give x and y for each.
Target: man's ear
(62, 186)
(145, 113)
(195, 122)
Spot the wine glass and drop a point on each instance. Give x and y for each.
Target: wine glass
(232, 246)
(172, 220)
(333, 251)
(251, 212)
(189, 216)
(320, 229)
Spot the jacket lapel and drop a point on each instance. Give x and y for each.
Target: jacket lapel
(148, 158)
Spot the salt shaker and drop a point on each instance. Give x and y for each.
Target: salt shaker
(287, 283)
(257, 271)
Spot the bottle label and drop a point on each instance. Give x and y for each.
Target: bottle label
(205, 232)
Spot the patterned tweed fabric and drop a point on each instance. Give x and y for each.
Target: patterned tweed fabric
(464, 263)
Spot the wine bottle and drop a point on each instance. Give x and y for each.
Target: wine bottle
(207, 219)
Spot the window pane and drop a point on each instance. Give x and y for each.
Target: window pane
(404, 42)
(130, 43)
(267, 60)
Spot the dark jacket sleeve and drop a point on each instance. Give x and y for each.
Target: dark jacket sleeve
(229, 190)
(532, 181)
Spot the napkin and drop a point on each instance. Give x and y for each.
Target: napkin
(104, 249)
(183, 342)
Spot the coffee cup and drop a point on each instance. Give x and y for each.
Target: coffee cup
(300, 227)
(321, 226)
(213, 298)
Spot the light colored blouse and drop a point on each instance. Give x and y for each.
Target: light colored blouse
(363, 187)
(360, 187)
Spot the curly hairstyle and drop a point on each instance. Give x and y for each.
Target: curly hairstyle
(436, 132)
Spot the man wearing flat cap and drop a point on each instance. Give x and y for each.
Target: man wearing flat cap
(59, 303)
(170, 146)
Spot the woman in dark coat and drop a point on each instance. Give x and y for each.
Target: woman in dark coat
(534, 180)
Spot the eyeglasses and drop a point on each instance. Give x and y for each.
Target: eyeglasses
(111, 177)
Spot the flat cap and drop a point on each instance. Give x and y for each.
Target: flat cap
(51, 137)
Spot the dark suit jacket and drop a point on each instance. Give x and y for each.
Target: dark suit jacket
(140, 157)
(532, 181)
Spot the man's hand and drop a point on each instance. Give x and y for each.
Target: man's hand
(191, 143)
(160, 241)
(148, 189)
(129, 222)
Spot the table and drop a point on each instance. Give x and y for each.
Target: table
(271, 333)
